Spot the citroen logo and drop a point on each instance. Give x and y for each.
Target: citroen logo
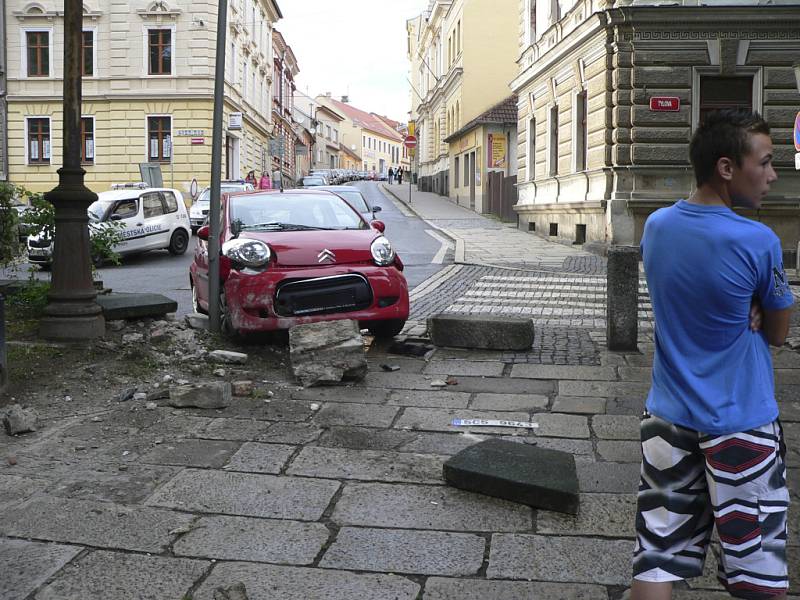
(326, 255)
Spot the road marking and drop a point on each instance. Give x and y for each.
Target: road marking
(445, 246)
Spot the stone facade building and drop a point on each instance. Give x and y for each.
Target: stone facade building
(148, 89)
(285, 69)
(609, 93)
(462, 60)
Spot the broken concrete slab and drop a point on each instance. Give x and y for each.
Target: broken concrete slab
(327, 352)
(216, 394)
(135, 306)
(227, 357)
(18, 420)
(518, 472)
(487, 331)
(197, 321)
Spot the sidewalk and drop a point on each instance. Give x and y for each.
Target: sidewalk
(485, 241)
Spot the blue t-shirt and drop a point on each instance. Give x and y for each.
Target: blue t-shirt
(704, 265)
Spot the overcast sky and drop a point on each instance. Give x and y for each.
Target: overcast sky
(352, 47)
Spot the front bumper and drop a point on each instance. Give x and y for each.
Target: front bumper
(40, 256)
(334, 291)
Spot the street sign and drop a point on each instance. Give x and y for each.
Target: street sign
(665, 103)
(410, 141)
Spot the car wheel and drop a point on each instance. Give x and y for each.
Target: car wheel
(195, 302)
(386, 329)
(179, 242)
(226, 327)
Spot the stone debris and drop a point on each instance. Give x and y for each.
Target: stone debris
(197, 321)
(242, 388)
(390, 368)
(132, 338)
(159, 394)
(151, 406)
(216, 394)
(327, 352)
(116, 325)
(11, 460)
(158, 335)
(410, 349)
(234, 592)
(18, 420)
(126, 394)
(220, 372)
(227, 357)
(438, 383)
(140, 396)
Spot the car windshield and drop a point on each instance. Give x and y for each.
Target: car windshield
(285, 212)
(355, 199)
(97, 210)
(205, 195)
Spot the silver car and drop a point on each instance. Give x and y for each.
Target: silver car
(199, 210)
(355, 199)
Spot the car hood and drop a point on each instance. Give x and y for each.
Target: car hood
(303, 248)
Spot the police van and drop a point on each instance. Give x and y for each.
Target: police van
(151, 218)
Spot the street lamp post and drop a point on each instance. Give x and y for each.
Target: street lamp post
(71, 312)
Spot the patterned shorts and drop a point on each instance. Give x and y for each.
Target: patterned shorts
(691, 482)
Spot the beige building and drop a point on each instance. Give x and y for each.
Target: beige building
(462, 60)
(327, 151)
(147, 90)
(609, 93)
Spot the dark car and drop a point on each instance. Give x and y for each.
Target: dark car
(355, 199)
(301, 256)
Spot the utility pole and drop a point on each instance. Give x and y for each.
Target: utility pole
(71, 312)
(216, 176)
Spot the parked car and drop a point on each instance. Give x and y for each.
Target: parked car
(355, 199)
(152, 218)
(312, 181)
(301, 256)
(201, 206)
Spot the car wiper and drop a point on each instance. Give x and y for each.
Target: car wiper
(278, 226)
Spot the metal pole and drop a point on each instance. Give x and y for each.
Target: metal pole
(216, 168)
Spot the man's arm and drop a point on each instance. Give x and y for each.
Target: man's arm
(776, 325)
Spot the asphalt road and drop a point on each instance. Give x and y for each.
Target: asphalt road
(160, 272)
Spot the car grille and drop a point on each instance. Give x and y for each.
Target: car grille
(323, 295)
(40, 243)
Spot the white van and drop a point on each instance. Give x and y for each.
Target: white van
(153, 218)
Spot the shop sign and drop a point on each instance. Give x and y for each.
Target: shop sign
(235, 120)
(497, 151)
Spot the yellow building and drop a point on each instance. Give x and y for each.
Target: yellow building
(462, 57)
(147, 90)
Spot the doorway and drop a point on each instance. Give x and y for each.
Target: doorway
(232, 157)
(472, 180)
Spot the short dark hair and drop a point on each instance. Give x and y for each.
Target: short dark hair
(723, 133)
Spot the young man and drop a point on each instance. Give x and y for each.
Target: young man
(712, 446)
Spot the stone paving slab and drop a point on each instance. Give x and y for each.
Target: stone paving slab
(427, 507)
(277, 409)
(605, 515)
(509, 402)
(441, 443)
(614, 478)
(368, 465)
(303, 583)
(209, 454)
(260, 458)
(27, 565)
(787, 376)
(233, 429)
(620, 451)
(579, 405)
(378, 356)
(564, 372)
(86, 522)
(465, 367)
(500, 385)
(118, 576)
(365, 438)
(256, 540)
(581, 449)
(561, 425)
(435, 419)
(552, 558)
(290, 433)
(429, 399)
(355, 414)
(15, 489)
(602, 388)
(636, 374)
(246, 494)
(404, 551)
(616, 427)
(439, 588)
(128, 483)
(341, 394)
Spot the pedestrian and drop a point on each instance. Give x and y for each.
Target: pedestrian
(400, 175)
(391, 174)
(251, 178)
(264, 183)
(713, 452)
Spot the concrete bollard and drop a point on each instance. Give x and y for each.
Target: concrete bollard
(622, 298)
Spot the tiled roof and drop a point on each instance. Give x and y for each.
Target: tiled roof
(502, 113)
(365, 120)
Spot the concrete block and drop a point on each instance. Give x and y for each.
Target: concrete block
(622, 298)
(481, 331)
(135, 306)
(534, 476)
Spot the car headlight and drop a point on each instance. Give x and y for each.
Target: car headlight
(248, 253)
(382, 251)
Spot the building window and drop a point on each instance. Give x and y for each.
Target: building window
(725, 92)
(38, 53)
(458, 38)
(160, 51)
(38, 141)
(87, 64)
(581, 132)
(455, 173)
(87, 140)
(531, 158)
(159, 136)
(553, 139)
(244, 79)
(232, 58)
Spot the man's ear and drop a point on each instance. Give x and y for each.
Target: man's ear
(725, 168)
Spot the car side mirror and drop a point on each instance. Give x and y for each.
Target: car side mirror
(115, 218)
(377, 209)
(203, 232)
(379, 225)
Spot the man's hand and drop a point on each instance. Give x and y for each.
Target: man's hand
(756, 315)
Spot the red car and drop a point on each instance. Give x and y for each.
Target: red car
(300, 256)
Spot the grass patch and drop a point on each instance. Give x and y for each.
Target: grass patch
(24, 306)
(26, 361)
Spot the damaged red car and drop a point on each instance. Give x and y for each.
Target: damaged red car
(300, 256)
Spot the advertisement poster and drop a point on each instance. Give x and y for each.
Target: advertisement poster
(497, 151)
